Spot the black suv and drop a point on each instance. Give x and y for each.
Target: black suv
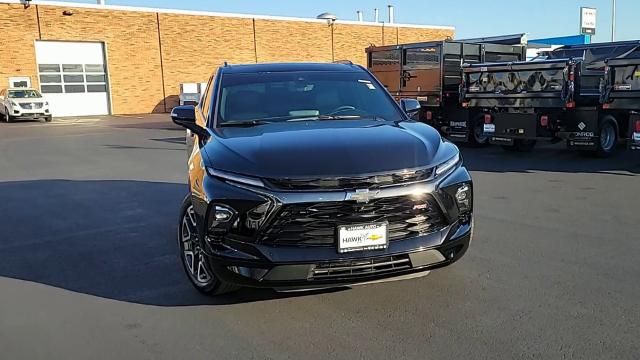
(306, 176)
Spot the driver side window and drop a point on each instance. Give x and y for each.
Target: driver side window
(205, 102)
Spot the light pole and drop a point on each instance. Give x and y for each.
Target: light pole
(613, 21)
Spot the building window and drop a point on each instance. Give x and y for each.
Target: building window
(45, 79)
(49, 68)
(74, 89)
(97, 88)
(51, 89)
(72, 68)
(72, 78)
(96, 78)
(94, 68)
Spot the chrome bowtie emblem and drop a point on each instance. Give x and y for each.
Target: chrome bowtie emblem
(362, 195)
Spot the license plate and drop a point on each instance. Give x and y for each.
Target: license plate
(362, 237)
(636, 136)
(489, 128)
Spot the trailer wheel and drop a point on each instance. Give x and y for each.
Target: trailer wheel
(608, 137)
(520, 145)
(477, 138)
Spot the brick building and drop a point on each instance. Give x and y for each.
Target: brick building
(146, 53)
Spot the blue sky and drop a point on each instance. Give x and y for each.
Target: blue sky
(472, 18)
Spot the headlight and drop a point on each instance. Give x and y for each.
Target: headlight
(46, 103)
(463, 198)
(13, 103)
(448, 165)
(247, 180)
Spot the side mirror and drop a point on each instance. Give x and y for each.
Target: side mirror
(185, 116)
(410, 106)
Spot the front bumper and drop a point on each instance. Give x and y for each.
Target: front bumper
(315, 268)
(29, 114)
(257, 264)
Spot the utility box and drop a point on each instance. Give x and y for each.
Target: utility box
(190, 93)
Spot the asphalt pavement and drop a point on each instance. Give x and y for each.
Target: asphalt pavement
(89, 266)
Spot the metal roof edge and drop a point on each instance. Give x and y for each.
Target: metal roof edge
(219, 14)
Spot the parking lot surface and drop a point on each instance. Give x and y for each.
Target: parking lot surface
(89, 265)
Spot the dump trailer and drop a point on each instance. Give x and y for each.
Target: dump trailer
(555, 99)
(621, 94)
(431, 73)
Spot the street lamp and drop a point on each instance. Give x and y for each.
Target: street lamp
(613, 20)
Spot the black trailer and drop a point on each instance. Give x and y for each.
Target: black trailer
(621, 93)
(556, 99)
(430, 72)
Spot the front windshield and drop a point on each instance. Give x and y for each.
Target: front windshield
(282, 96)
(23, 94)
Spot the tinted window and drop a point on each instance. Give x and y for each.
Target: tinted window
(73, 78)
(96, 78)
(299, 94)
(49, 68)
(50, 79)
(51, 89)
(74, 88)
(23, 94)
(97, 68)
(96, 88)
(72, 68)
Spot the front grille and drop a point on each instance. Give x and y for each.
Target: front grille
(315, 224)
(29, 106)
(362, 182)
(356, 268)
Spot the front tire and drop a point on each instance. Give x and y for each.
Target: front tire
(195, 263)
(6, 117)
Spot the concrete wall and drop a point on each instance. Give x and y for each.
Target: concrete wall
(150, 53)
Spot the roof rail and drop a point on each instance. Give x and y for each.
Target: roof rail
(345, 62)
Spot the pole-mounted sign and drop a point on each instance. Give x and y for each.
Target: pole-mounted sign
(587, 21)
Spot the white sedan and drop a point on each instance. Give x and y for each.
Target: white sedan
(23, 104)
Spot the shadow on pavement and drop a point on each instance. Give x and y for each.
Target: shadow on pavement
(113, 239)
(550, 158)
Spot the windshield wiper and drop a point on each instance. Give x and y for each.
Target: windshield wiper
(336, 117)
(245, 123)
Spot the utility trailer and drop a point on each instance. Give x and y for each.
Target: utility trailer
(621, 93)
(556, 99)
(430, 72)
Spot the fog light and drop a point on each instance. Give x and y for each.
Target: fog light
(223, 214)
(253, 273)
(463, 198)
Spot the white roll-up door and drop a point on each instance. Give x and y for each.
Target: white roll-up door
(73, 77)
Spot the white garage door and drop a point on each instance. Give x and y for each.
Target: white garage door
(73, 77)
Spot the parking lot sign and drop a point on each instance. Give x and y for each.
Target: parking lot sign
(588, 21)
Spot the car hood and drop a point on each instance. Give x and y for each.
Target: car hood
(325, 148)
